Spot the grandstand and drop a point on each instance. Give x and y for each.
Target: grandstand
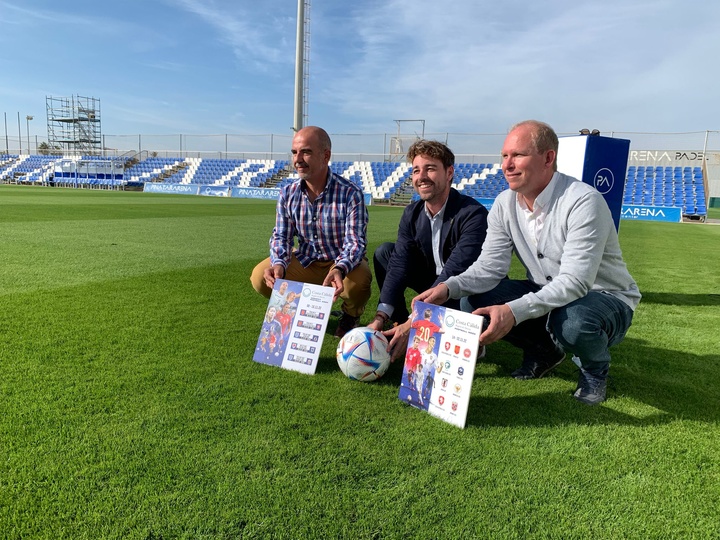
(27, 169)
(385, 182)
(682, 187)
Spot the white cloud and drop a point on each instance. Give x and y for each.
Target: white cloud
(248, 33)
(480, 66)
(464, 66)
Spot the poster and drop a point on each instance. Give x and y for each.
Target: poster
(294, 325)
(440, 361)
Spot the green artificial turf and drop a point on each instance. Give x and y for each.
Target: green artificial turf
(131, 407)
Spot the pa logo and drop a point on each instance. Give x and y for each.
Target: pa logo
(604, 180)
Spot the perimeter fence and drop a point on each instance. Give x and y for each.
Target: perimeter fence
(695, 148)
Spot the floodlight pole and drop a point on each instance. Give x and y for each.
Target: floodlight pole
(299, 66)
(27, 120)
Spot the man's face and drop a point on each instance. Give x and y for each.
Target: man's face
(526, 170)
(309, 158)
(431, 179)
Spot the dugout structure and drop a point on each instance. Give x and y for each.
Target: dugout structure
(90, 172)
(73, 125)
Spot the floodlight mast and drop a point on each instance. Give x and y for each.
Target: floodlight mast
(302, 59)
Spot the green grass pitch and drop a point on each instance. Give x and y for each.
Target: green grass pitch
(130, 406)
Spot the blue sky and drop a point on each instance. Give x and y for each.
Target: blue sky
(463, 66)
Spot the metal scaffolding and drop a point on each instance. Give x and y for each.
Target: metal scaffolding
(73, 125)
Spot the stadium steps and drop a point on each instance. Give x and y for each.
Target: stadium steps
(275, 179)
(172, 170)
(403, 195)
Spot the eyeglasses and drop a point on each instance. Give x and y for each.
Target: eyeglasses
(586, 131)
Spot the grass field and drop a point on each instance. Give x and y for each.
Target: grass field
(131, 407)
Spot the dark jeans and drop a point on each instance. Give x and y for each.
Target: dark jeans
(419, 279)
(587, 327)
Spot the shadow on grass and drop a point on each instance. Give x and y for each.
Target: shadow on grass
(661, 385)
(680, 299)
(649, 385)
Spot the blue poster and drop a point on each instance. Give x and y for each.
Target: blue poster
(293, 328)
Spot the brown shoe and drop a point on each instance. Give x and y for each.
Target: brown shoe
(345, 324)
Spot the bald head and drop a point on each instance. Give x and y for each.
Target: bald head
(529, 158)
(316, 133)
(311, 151)
(542, 136)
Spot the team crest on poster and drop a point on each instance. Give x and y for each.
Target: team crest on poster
(442, 348)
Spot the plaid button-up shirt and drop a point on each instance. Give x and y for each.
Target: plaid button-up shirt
(331, 228)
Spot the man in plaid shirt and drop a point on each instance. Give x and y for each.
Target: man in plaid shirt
(327, 215)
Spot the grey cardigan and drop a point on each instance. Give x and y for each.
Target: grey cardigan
(577, 251)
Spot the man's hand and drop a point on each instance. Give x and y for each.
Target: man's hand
(378, 323)
(273, 273)
(398, 338)
(437, 295)
(502, 321)
(334, 279)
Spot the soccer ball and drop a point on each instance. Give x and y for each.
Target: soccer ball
(362, 354)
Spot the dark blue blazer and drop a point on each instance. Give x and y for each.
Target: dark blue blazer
(463, 233)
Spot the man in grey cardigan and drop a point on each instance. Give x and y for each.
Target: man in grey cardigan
(578, 296)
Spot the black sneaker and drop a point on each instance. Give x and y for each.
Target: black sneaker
(345, 324)
(591, 388)
(536, 367)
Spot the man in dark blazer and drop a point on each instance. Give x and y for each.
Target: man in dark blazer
(439, 236)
